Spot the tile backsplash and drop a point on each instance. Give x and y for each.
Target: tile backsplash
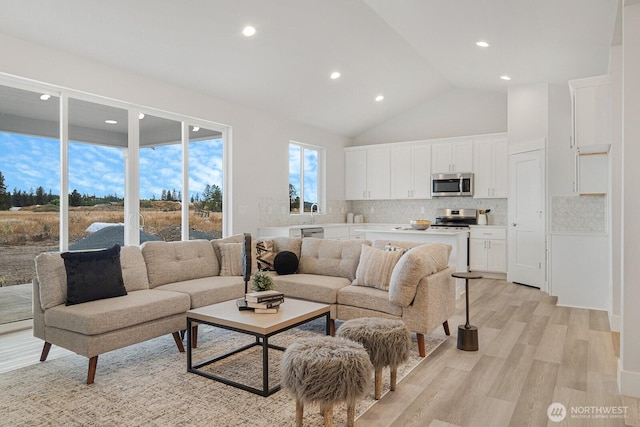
(578, 214)
(275, 212)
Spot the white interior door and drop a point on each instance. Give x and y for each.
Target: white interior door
(526, 218)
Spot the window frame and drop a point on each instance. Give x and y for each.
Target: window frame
(321, 179)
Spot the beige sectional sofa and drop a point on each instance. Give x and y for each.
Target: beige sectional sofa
(164, 280)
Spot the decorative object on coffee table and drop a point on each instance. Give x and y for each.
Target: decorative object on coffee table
(246, 270)
(326, 370)
(262, 282)
(467, 333)
(386, 340)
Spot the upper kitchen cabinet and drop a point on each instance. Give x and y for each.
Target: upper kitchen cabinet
(452, 156)
(411, 171)
(367, 173)
(491, 160)
(591, 111)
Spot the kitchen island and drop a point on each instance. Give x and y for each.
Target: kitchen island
(457, 239)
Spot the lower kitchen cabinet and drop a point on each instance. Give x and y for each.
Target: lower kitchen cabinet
(488, 249)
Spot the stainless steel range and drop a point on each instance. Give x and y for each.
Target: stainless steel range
(455, 219)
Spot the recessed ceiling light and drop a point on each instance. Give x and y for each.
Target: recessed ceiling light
(482, 43)
(111, 122)
(249, 31)
(45, 97)
(335, 75)
(505, 77)
(379, 98)
(196, 128)
(140, 116)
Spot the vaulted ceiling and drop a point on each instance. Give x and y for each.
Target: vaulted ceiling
(410, 51)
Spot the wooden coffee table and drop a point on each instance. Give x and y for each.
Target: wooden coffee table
(226, 315)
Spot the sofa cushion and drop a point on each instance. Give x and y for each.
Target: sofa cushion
(169, 262)
(399, 244)
(52, 279)
(375, 267)
(93, 275)
(367, 298)
(230, 259)
(327, 257)
(286, 262)
(236, 238)
(415, 264)
(208, 290)
(97, 317)
(291, 244)
(312, 287)
(134, 269)
(52, 275)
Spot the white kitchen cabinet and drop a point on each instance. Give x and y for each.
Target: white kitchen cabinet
(367, 173)
(452, 156)
(491, 160)
(411, 171)
(488, 249)
(591, 111)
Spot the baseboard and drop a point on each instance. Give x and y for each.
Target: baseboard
(628, 382)
(7, 328)
(614, 322)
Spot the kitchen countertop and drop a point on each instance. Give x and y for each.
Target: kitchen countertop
(410, 231)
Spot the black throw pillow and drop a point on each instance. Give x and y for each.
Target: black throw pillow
(285, 262)
(93, 275)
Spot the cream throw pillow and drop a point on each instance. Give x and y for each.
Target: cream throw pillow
(375, 267)
(230, 259)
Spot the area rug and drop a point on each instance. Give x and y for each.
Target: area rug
(147, 385)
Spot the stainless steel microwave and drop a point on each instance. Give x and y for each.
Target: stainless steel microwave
(451, 184)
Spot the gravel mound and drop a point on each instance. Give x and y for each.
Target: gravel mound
(173, 233)
(107, 237)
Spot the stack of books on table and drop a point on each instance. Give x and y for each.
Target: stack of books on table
(264, 301)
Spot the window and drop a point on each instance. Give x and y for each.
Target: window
(306, 178)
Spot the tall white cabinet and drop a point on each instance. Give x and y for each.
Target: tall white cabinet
(411, 171)
(491, 163)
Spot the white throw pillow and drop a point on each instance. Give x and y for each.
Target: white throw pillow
(375, 267)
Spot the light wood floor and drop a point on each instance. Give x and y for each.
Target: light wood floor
(532, 353)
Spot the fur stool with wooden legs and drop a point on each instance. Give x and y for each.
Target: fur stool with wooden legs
(387, 341)
(326, 370)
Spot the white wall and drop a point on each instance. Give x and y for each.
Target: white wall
(629, 365)
(260, 140)
(528, 112)
(615, 194)
(458, 112)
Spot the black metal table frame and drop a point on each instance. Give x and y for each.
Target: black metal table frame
(261, 340)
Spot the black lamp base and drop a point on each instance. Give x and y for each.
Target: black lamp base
(242, 304)
(468, 338)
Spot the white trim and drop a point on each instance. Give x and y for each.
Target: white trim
(628, 382)
(64, 173)
(185, 181)
(132, 181)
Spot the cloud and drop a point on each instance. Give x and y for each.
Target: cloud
(28, 162)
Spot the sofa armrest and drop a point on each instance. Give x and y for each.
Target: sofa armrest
(38, 312)
(417, 263)
(434, 302)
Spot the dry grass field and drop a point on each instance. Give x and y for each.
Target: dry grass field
(30, 231)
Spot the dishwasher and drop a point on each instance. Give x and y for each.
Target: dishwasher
(317, 232)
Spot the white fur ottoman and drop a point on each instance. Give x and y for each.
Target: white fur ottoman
(326, 370)
(387, 341)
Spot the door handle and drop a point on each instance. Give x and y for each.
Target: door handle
(514, 224)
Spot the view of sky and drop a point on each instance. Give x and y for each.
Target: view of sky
(310, 169)
(28, 162)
